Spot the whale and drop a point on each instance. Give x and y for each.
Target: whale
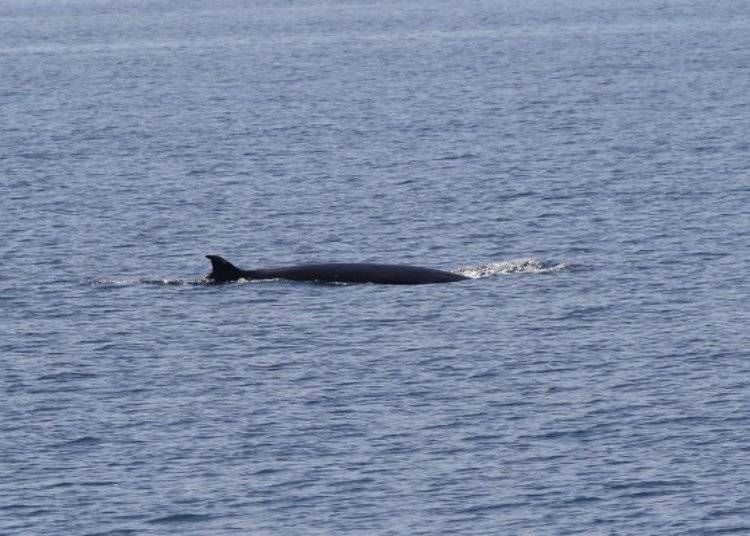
(223, 271)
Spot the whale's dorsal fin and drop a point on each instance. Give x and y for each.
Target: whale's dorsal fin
(222, 270)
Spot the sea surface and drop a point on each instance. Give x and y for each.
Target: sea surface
(585, 162)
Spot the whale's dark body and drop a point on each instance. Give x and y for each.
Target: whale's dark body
(384, 274)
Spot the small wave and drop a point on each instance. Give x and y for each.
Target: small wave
(116, 532)
(181, 518)
(514, 266)
(66, 376)
(461, 156)
(84, 441)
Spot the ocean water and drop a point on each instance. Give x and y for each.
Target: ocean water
(586, 162)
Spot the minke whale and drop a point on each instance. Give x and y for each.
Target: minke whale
(223, 271)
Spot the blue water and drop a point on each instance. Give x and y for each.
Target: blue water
(586, 162)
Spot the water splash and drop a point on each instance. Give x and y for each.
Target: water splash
(514, 266)
(138, 281)
(168, 282)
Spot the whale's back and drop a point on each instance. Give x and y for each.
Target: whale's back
(384, 274)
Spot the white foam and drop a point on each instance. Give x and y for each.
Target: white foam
(136, 281)
(514, 266)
